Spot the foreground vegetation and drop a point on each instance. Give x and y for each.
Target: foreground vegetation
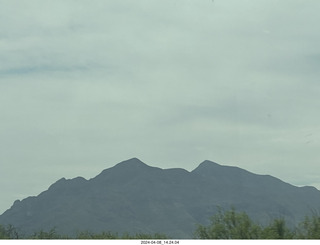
(224, 225)
(10, 232)
(235, 225)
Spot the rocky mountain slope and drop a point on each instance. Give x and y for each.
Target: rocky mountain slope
(134, 197)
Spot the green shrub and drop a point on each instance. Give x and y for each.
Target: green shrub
(277, 230)
(229, 225)
(310, 227)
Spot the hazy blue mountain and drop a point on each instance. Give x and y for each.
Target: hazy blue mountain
(134, 197)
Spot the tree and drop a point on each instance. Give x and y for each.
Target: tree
(229, 225)
(3, 233)
(8, 232)
(310, 227)
(277, 230)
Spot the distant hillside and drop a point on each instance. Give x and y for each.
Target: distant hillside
(134, 197)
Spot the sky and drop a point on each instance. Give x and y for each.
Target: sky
(85, 85)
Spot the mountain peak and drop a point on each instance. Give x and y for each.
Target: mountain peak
(133, 161)
(208, 162)
(126, 197)
(207, 165)
(130, 166)
(63, 182)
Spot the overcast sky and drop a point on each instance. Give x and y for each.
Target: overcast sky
(86, 84)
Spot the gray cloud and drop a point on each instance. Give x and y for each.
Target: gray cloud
(84, 85)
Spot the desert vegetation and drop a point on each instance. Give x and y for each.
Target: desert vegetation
(228, 224)
(238, 225)
(10, 232)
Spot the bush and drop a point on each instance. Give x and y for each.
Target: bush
(52, 234)
(233, 225)
(8, 232)
(310, 227)
(277, 230)
(229, 225)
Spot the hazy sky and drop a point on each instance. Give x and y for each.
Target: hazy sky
(87, 84)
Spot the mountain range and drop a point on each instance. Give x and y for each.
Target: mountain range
(136, 198)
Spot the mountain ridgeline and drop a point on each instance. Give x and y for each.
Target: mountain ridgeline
(136, 198)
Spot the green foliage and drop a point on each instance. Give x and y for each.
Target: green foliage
(110, 235)
(310, 227)
(233, 225)
(3, 233)
(224, 225)
(52, 234)
(277, 230)
(229, 225)
(8, 232)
